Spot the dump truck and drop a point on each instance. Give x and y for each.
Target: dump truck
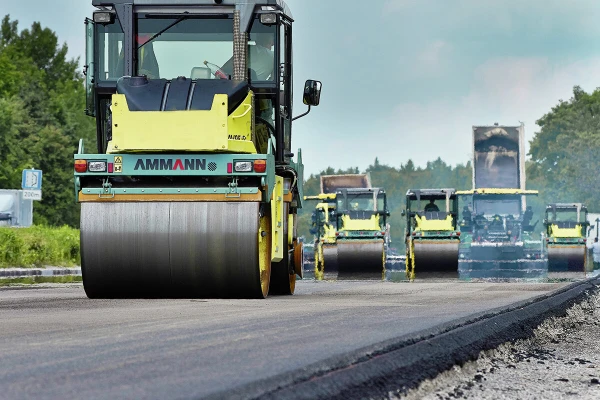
(193, 189)
(331, 183)
(432, 233)
(566, 235)
(350, 228)
(498, 239)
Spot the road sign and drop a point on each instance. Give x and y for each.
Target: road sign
(32, 194)
(32, 179)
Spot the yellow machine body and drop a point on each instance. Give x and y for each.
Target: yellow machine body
(557, 232)
(349, 224)
(197, 130)
(423, 224)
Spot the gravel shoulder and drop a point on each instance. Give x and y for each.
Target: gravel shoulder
(561, 361)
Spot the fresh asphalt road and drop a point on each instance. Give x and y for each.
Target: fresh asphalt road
(55, 343)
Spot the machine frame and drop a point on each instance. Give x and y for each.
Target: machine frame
(155, 176)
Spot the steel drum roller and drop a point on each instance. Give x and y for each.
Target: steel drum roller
(360, 259)
(566, 258)
(436, 256)
(330, 261)
(174, 249)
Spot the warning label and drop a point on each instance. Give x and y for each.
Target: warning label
(118, 164)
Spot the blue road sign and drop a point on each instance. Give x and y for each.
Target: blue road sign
(32, 179)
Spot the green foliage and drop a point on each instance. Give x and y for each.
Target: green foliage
(396, 182)
(39, 246)
(564, 154)
(42, 98)
(32, 280)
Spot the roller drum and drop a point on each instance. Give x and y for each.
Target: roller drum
(330, 261)
(434, 258)
(566, 258)
(172, 249)
(360, 259)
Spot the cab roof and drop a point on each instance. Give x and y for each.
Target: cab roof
(566, 206)
(279, 4)
(496, 191)
(360, 190)
(431, 193)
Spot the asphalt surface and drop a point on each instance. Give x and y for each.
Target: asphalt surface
(55, 343)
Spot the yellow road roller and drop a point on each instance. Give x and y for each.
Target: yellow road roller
(361, 234)
(192, 190)
(566, 229)
(432, 235)
(350, 241)
(324, 228)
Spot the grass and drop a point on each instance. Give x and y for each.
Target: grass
(32, 280)
(39, 246)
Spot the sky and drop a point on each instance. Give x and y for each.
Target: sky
(406, 79)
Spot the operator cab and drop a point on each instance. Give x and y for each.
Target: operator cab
(432, 204)
(566, 216)
(176, 57)
(361, 203)
(498, 214)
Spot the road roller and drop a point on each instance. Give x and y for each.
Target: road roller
(566, 229)
(192, 188)
(324, 228)
(498, 240)
(361, 236)
(432, 234)
(350, 234)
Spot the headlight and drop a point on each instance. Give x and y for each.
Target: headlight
(103, 17)
(268, 19)
(243, 166)
(97, 166)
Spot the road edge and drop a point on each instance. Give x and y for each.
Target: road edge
(401, 364)
(46, 271)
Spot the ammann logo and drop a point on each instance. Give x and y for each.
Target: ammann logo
(156, 164)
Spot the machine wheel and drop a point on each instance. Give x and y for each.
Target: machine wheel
(175, 250)
(299, 258)
(360, 259)
(283, 276)
(319, 261)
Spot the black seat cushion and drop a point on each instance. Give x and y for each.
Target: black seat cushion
(206, 89)
(431, 215)
(148, 94)
(142, 94)
(566, 224)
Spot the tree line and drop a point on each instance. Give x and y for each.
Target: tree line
(42, 102)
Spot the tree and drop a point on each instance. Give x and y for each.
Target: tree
(42, 99)
(564, 153)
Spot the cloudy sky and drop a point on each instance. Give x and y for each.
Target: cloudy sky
(407, 78)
